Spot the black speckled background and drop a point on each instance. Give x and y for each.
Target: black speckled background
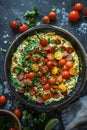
(11, 9)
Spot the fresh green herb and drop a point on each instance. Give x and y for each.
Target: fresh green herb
(54, 8)
(3, 50)
(30, 16)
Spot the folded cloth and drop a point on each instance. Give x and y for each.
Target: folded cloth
(75, 117)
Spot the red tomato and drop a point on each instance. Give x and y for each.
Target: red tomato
(27, 57)
(70, 49)
(46, 20)
(30, 75)
(35, 89)
(32, 92)
(12, 128)
(74, 16)
(41, 59)
(46, 86)
(23, 28)
(55, 63)
(34, 58)
(69, 64)
(52, 15)
(3, 99)
(39, 100)
(66, 74)
(40, 74)
(44, 69)
(78, 7)
(14, 25)
(85, 12)
(62, 62)
(47, 95)
(49, 64)
(43, 42)
(44, 80)
(63, 48)
(52, 81)
(17, 112)
(57, 41)
(52, 49)
(50, 57)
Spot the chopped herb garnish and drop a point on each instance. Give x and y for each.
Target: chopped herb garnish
(3, 50)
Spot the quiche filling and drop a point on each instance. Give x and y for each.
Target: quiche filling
(45, 68)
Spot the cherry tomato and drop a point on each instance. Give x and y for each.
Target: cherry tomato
(74, 16)
(52, 81)
(41, 59)
(50, 57)
(3, 99)
(14, 25)
(69, 64)
(32, 92)
(57, 41)
(78, 7)
(40, 74)
(66, 74)
(23, 28)
(49, 64)
(27, 57)
(46, 95)
(46, 86)
(52, 15)
(55, 63)
(43, 80)
(70, 49)
(85, 12)
(39, 100)
(17, 112)
(46, 20)
(43, 42)
(30, 75)
(44, 69)
(52, 49)
(35, 89)
(62, 62)
(34, 58)
(12, 128)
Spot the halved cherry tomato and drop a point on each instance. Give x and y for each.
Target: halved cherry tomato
(43, 80)
(50, 57)
(3, 99)
(74, 16)
(78, 7)
(39, 100)
(27, 57)
(20, 77)
(54, 70)
(49, 64)
(52, 81)
(69, 64)
(34, 58)
(14, 25)
(46, 20)
(73, 71)
(70, 49)
(66, 74)
(35, 67)
(58, 55)
(46, 95)
(35, 89)
(57, 41)
(62, 88)
(30, 75)
(47, 86)
(23, 28)
(44, 69)
(52, 15)
(62, 62)
(40, 74)
(32, 92)
(43, 42)
(17, 112)
(59, 78)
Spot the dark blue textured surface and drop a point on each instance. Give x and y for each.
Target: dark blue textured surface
(10, 9)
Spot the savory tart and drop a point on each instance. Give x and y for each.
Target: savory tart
(45, 68)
